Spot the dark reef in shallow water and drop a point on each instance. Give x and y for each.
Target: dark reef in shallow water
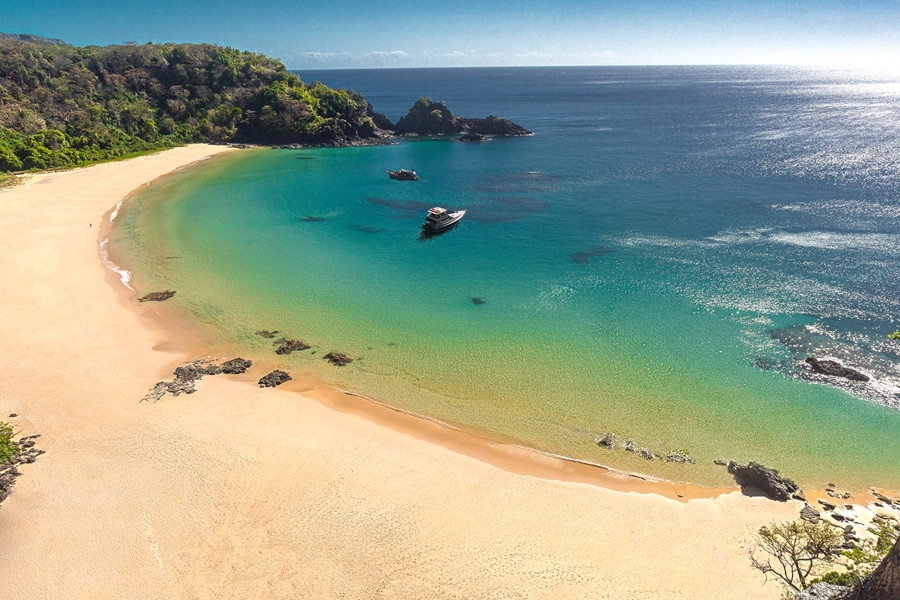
(288, 346)
(584, 257)
(338, 359)
(157, 296)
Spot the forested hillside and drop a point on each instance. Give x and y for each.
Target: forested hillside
(62, 105)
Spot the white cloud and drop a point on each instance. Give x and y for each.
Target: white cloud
(386, 54)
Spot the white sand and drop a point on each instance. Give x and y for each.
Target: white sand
(238, 492)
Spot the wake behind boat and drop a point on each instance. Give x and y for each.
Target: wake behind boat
(439, 219)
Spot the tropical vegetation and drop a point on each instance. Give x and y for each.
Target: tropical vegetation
(63, 106)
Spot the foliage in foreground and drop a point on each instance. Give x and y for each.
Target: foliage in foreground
(8, 447)
(798, 553)
(62, 106)
(795, 551)
(861, 561)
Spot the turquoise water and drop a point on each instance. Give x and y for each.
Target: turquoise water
(655, 262)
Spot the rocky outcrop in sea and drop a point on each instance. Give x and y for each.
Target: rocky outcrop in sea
(427, 117)
(832, 368)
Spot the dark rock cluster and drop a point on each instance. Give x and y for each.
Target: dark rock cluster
(767, 480)
(9, 471)
(809, 513)
(186, 377)
(610, 441)
(236, 366)
(888, 501)
(838, 495)
(288, 346)
(275, 378)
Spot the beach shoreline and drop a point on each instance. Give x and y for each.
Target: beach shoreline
(304, 491)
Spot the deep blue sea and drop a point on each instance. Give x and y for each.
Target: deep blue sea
(656, 262)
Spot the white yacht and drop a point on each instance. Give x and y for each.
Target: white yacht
(439, 219)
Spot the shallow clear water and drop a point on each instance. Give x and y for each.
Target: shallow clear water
(655, 262)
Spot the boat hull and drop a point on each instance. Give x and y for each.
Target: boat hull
(403, 175)
(445, 223)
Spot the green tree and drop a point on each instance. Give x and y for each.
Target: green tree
(795, 551)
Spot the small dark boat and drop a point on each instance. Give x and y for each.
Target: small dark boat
(404, 175)
(439, 219)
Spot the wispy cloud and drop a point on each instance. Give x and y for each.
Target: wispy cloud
(405, 58)
(386, 54)
(338, 60)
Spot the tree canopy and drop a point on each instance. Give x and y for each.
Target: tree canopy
(63, 106)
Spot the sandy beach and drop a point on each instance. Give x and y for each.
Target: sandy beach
(300, 492)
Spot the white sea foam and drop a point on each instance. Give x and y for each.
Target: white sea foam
(884, 243)
(124, 274)
(659, 241)
(819, 329)
(740, 236)
(115, 211)
(827, 240)
(555, 295)
(852, 208)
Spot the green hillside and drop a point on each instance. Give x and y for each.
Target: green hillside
(63, 106)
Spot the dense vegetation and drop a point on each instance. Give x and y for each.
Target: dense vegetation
(62, 106)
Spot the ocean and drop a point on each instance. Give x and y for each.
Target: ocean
(653, 266)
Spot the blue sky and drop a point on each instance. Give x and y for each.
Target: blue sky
(377, 33)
